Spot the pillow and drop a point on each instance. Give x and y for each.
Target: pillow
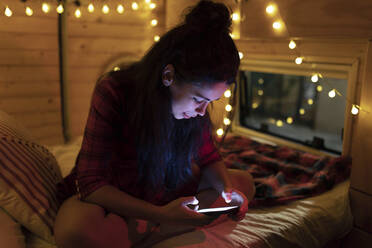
(28, 177)
(11, 235)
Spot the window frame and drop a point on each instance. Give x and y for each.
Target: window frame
(328, 67)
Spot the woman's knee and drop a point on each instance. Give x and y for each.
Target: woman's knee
(78, 224)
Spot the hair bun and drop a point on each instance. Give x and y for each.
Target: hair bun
(208, 16)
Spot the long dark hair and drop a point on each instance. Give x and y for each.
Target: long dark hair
(202, 52)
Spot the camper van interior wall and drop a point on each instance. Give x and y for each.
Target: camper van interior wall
(121, 122)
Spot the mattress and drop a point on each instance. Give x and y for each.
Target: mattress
(310, 222)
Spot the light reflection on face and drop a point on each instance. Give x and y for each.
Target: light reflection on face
(189, 100)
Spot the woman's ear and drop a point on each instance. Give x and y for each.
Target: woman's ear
(168, 75)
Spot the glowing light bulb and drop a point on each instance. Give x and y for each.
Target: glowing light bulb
(232, 35)
(156, 38)
(116, 68)
(310, 101)
(277, 25)
(289, 120)
(147, 1)
(314, 78)
(299, 60)
(228, 107)
(120, 9)
(301, 111)
(29, 11)
(332, 93)
(260, 81)
(260, 92)
(8, 12)
(292, 44)
(355, 109)
(154, 22)
(270, 9)
(279, 123)
(77, 13)
(60, 9)
(135, 6)
(152, 5)
(254, 105)
(235, 17)
(90, 8)
(45, 7)
(105, 9)
(227, 93)
(226, 121)
(319, 88)
(219, 132)
(241, 55)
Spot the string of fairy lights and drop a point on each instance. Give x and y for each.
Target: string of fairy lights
(80, 8)
(316, 77)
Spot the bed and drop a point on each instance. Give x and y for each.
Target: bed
(309, 221)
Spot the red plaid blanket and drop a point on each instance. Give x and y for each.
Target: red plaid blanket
(283, 174)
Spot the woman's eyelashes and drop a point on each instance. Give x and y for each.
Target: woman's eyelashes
(197, 101)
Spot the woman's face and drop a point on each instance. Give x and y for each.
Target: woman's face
(189, 100)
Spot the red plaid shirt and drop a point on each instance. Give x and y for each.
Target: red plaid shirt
(108, 154)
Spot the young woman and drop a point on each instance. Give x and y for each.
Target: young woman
(147, 151)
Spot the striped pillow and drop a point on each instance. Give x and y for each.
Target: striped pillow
(28, 177)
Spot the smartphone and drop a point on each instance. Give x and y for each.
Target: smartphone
(218, 211)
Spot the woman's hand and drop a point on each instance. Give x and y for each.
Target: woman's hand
(178, 212)
(235, 197)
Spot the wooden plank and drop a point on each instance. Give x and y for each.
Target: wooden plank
(22, 41)
(119, 30)
(29, 25)
(111, 45)
(81, 90)
(29, 73)
(29, 104)
(35, 119)
(29, 57)
(46, 131)
(85, 75)
(321, 47)
(95, 58)
(361, 205)
(29, 89)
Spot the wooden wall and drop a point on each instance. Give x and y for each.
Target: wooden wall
(96, 41)
(29, 70)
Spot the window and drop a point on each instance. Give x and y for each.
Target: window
(288, 104)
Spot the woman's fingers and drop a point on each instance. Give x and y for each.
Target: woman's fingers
(227, 194)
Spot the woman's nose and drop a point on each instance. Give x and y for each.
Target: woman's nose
(202, 108)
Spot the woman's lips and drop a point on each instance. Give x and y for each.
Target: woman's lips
(186, 116)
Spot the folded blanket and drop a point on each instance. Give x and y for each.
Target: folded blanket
(283, 174)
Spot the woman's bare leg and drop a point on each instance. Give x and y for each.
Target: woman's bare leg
(79, 224)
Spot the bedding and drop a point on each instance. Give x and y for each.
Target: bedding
(282, 174)
(308, 222)
(28, 177)
(301, 201)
